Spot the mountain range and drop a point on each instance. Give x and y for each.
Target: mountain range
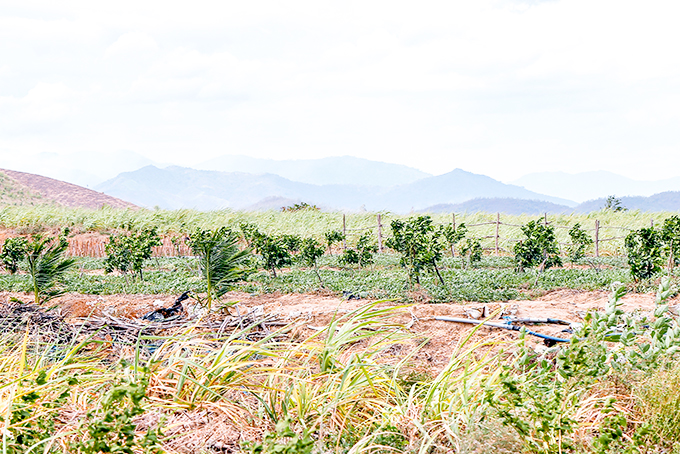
(180, 187)
(593, 185)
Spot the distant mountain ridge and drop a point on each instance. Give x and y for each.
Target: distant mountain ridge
(179, 187)
(586, 186)
(345, 170)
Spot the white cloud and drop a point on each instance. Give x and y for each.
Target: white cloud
(503, 85)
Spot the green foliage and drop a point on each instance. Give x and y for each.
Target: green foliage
(274, 253)
(363, 254)
(418, 242)
(283, 441)
(46, 266)
(220, 261)
(128, 252)
(644, 249)
(302, 206)
(538, 248)
(32, 420)
(333, 237)
(111, 429)
(471, 249)
(580, 240)
(291, 242)
(613, 204)
(454, 235)
(670, 234)
(13, 252)
(310, 253)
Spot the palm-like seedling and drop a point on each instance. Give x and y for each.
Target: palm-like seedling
(220, 261)
(46, 266)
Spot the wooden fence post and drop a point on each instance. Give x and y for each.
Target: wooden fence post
(651, 223)
(453, 220)
(344, 233)
(545, 219)
(597, 238)
(498, 224)
(380, 246)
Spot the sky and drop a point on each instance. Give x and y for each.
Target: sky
(498, 87)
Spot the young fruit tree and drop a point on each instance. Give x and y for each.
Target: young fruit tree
(333, 237)
(644, 249)
(273, 252)
(580, 240)
(13, 252)
(221, 262)
(471, 249)
(420, 246)
(310, 253)
(538, 248)
(670, 233)
(128, 252)
(454, 235)
(363, 254)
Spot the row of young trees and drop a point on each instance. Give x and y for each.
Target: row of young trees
(418, 240)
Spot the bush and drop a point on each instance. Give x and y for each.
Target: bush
(580, 240)
(644, 249)
(418, 242)
(128, 252)
(539, 247)
(13, 252)
(363, 254)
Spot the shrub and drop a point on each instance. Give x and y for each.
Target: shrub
(539, 247)
(580, 240)
(310, 253)
(644, 248)
(128, 252)
(418, 242)
(453, 235)
(471, 249)
(274, 253)
(333, 237)
(363, 254)
(13, 252)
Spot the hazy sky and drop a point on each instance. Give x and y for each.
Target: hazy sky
(500, 87)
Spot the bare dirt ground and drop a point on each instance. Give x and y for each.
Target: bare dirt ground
(314, 311)
(209, 429)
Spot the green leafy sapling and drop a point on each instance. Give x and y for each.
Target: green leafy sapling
(538, 248)
(420, 245)
(220, 260)
(128, 252)
(471, 249)
(47, 266)
(274, 253)
(580, 240)
(13, 252)
(310, 252)
(453, 235)
(363, 254)
(333, 237)
(670, 235)
(644, 248)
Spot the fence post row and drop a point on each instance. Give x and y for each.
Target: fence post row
(498, 224)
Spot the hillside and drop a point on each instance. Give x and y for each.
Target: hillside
(20, 188)
(501, 205)
(587, 186)
(664, 201)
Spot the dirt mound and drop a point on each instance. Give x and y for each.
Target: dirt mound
(51, 191)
